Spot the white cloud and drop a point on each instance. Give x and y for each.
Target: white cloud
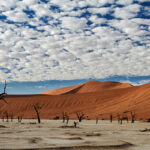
(136, 83)
(74, 23)
(124, 2)
(141, 21)
(16, 16)
(40, 10)
(127, 12)
(102, 10)
(7, 4)
(64, 46)
(29, 2)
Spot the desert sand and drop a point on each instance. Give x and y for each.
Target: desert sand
(94, 99)
(88, 135)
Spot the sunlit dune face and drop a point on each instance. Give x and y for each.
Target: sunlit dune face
(91, 98)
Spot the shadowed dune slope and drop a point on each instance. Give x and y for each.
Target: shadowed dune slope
(91, 86)
(110, 100)
(70, 89)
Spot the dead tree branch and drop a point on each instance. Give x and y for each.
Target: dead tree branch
(36, 108)
(132, 117)
(2, 95)
(80, 116)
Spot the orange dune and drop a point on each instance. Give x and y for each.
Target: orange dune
(92, 98)
(64, 90)
(91, 86)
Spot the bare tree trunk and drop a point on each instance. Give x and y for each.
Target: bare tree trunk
(18, 119)
(75, 124)
(2, 95)
(97, 120)
(11, 117)
(80, 116)
(121, 121)
(37, 113)
(7, 119)
(111, 118)
(5, 87)
(67, 119)
(63, 117)
(132, 117)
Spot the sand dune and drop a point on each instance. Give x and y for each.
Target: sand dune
(91, 98)
(70, 89)
(91, 86)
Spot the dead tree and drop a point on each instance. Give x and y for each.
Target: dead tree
(67, 119)
(11, 117)
(111, 117)
(7, 119)
(125, 116)
(19, 118)
(36, 108)
(96, 120)
(121, 120)
(118, 116)
(80, 116)
(5, 87)
(63, 116)
(2, 95)
(75, 124)
(132, 117)
(87, 117)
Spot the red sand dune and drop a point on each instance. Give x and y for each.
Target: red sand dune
(91, 86)
(91, 98)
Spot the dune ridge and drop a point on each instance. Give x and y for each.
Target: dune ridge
(92, 98)
(90, 86)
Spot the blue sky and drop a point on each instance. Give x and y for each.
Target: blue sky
(46, 44)
(38, 87)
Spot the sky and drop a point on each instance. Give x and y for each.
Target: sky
(47, 44)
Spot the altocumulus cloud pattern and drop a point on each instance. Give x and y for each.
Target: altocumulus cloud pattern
(74, 39)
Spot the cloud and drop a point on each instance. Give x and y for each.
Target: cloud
(62, 40)
(136, 83)
(7, 5)
(127, 12)
(74, 23)
(102, 10)
(124, 2)
(142, 82)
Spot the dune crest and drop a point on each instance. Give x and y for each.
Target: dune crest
(90, 86)
(64, 90)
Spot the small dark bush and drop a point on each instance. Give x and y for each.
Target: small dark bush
(56, 118)
(148, 120)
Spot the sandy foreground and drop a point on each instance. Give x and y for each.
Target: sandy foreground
(89, 135)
